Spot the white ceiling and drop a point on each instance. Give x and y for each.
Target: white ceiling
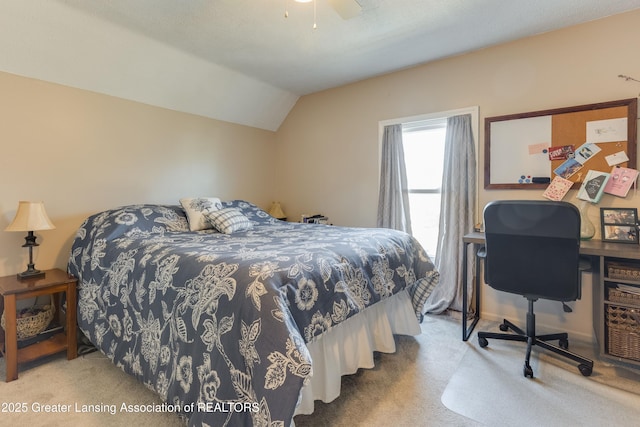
(242, 60)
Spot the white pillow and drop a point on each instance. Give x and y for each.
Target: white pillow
(229, 220)
(196, 208)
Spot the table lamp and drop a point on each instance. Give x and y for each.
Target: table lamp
(30, 217)
(276, 211)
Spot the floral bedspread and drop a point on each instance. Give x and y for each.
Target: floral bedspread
(216, 324)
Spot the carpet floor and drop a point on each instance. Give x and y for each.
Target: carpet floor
(404, 388)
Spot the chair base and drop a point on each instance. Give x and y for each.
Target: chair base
(584, 365)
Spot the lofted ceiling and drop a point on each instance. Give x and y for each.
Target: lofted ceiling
(241, 60)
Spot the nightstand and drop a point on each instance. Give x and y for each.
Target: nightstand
(52, 283)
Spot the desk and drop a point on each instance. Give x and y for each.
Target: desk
(477, 240)
(596, 249)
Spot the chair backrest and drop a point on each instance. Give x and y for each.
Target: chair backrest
(533, 248)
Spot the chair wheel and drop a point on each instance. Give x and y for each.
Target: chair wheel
(528, 372)
(483, 342)
(563, 344)
(503, 327)
(585, 370)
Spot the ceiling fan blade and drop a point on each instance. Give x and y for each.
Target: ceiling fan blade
(347, 9)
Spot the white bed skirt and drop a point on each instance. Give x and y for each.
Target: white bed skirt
(350, 346)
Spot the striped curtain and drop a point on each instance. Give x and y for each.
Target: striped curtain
(393, 199)
(457, 207)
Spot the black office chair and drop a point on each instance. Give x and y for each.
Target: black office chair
(532, 249)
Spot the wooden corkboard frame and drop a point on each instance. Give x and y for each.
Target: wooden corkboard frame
(568, 127)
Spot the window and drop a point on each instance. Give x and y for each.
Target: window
(423, 143)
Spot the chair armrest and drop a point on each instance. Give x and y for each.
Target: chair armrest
(585, 264)
(481, 252)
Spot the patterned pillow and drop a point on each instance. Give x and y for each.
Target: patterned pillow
(196, 208)
(251, 211)
(229, 220)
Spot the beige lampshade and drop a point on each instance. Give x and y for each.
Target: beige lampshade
(30, 216)
(276, 210)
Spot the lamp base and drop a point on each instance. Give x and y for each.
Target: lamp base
(30, 274)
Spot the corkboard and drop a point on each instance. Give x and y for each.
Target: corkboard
(507, 139)
(571, 129)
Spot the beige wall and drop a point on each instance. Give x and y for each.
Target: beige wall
(328, 144)
(82, 152)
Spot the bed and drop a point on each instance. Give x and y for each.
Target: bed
(249, 323)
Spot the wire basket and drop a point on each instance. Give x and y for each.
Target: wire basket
(617, 295)
(623, 271)
(32, 321)
(623, 332)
